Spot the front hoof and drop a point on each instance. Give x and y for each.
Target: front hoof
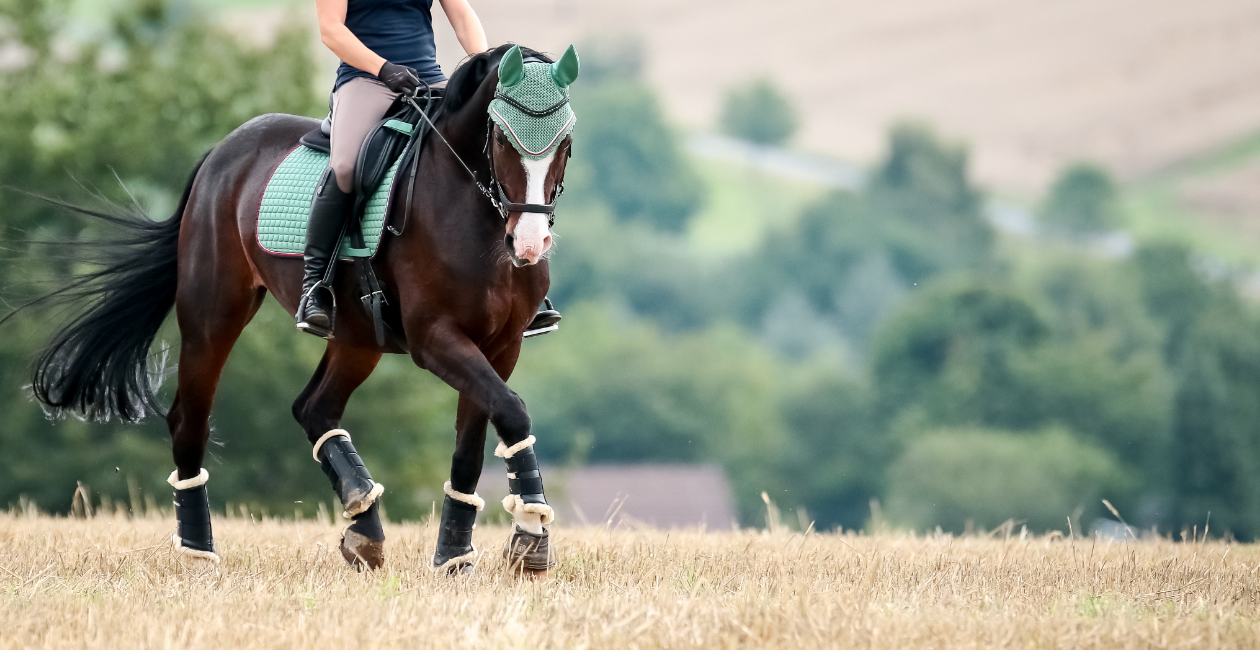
(529, 554)
(361, 552)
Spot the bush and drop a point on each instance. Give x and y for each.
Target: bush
(950, 477)
(759, 112)
(1082, 201)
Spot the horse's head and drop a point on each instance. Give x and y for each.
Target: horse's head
(531, 134)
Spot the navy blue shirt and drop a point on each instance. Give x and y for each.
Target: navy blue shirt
(400, 31)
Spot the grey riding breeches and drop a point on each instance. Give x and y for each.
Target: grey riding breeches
(356, 107)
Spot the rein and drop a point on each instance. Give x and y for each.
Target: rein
(500, 202)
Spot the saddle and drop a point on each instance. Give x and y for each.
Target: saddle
(392, 145)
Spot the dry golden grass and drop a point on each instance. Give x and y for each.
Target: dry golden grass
(112, 582)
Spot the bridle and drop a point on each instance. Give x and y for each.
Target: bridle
(497, 197)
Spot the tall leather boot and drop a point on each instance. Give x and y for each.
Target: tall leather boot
(324, 231)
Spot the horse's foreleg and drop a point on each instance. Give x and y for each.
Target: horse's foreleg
(455, 552)
(458, 362)
(319, 410)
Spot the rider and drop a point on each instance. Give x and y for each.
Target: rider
(386, 49)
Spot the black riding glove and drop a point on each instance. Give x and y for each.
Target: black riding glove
(399, 78)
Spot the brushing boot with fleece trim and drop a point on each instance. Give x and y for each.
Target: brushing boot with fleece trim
(363, 541)
(350, 479)
(455, 552)
(194, 538)
(529, 547)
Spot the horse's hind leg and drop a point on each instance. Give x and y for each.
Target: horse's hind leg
(319, 409)
(212, 310)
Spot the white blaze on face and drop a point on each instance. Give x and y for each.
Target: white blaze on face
(532, 237)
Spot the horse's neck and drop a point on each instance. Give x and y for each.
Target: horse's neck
(459, 209)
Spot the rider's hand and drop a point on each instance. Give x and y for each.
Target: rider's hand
(399, 78)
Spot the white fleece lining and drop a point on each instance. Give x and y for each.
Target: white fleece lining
(324, 438)
(467, 557)
(193, 553)
(187, 483)
(513, 504)
(471, 499)
(377, 491)
(507, 452)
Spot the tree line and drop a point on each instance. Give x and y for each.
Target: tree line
(886, 344)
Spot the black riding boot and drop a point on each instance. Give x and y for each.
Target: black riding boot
(323, 237)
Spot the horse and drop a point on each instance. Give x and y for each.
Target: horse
(464, 279)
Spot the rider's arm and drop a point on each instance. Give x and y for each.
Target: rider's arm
(334, 33)
(466, 24)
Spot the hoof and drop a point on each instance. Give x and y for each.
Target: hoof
(529, 554)
(361, 552)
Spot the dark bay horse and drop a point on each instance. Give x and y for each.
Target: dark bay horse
(463, 284)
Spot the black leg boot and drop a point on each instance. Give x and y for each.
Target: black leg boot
(192, 516)
(363, 542)
(526, 552)
(455, 552)
(345, 469)
(329, 212)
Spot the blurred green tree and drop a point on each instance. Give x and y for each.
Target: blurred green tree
(1082, 201)
(950, 478)
(1212, 347)
(616, 391)
(759, 112)
(140, 102)
(854, 255)
(626, 156)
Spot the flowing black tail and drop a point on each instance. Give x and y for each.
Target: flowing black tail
(98, 364)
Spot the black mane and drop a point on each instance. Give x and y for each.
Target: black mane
(470, 74)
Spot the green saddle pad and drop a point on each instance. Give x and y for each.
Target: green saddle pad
(286, 205)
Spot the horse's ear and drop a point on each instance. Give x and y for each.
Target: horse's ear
(512, 67)
(565, 71)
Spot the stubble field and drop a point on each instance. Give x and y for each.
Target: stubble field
(112, 582)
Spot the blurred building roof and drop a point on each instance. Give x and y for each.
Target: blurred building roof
(650, 495)
(659, 496)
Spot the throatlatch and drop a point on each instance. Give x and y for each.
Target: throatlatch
(529, 546)
(344, 468)
(455, 551)
(192, 516)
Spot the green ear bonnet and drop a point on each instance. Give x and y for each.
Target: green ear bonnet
(531, 102)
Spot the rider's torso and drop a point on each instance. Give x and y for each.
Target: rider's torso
(401, 31)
